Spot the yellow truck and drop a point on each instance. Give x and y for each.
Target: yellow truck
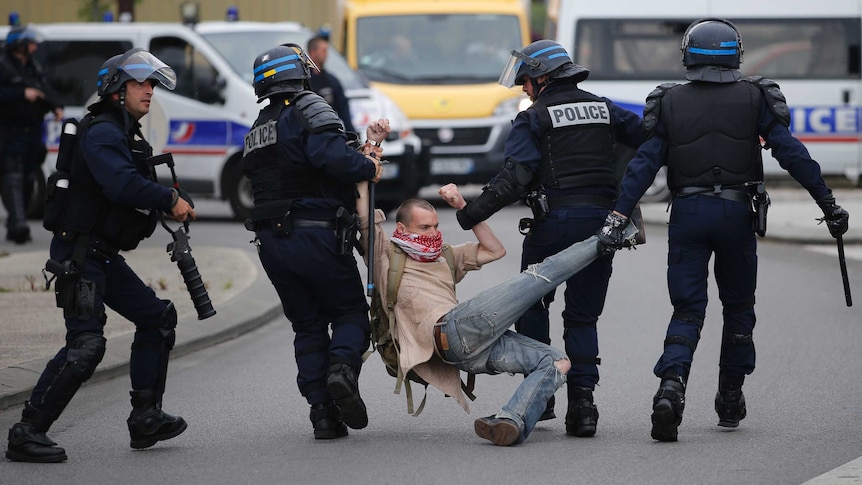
(439, 60)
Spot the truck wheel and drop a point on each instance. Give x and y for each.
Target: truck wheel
(237, 190)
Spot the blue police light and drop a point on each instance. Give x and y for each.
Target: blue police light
(108, 16)
(232, 14)
(14, 18)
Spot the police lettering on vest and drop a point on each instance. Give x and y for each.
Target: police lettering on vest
(579, 114)
(261, 136)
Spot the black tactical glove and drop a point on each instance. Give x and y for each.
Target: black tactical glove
(837, 219)
(611, 234)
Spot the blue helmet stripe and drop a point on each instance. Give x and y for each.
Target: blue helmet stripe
(273, 71)
(552, 48)
(712, 52)
(280, 60)
(728, 44)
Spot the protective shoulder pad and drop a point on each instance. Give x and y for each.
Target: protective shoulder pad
(774, 98)
(315, 113)
(651, 107)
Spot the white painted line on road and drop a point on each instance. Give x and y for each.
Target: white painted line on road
(850, 472)
(850, 252)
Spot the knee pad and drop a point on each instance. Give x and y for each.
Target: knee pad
(84, 355)
(168, 324)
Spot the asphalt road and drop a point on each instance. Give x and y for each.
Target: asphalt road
(248, 423)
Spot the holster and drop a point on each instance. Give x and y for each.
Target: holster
(346, 226)
(759, 206)
(538, 203)
(75, 295)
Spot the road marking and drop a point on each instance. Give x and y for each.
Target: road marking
(850, 472)
(850, 252)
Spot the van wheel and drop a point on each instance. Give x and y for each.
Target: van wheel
(658, 191)
(237, 190)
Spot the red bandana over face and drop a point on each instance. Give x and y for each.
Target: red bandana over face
(421, 248)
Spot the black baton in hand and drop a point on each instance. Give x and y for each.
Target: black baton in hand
(371, 230)
(842, 261)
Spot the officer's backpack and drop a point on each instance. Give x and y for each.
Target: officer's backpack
(383, 325)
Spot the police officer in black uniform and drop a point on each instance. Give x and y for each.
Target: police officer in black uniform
(326, 84)
(25, 99)
(560, 154)
(708, 133)
(304, 173)
(113, 203)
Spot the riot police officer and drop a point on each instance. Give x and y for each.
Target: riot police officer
(560, 153)
(25, 98)
(708, 133)
(303, 174)
(112, 205)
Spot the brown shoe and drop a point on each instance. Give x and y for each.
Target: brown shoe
(500, 431)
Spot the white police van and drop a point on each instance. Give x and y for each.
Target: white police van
(203, 121)
(812, 49)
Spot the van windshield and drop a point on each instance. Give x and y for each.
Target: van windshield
(638, 49)
(440, 49)
(240, 48)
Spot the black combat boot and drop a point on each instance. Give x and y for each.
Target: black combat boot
(582, 416)
(326, 420)
(667, 408)
(28, 441)
(549, 410)
(148, 424)
(729, 401)
(343, 386)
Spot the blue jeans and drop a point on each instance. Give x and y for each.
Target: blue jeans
(480, 342)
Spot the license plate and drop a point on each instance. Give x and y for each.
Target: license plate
(390, 171)
(451, 165)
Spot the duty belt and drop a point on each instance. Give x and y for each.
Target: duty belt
(312, 223)
(727, 194)
(569, 200)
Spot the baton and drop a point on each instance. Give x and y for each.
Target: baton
(371, 230)
(842, 261)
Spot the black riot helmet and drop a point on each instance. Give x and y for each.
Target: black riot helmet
(21, 35)
(712, 50)
(136, 64)
(540, 58)
(283, 69)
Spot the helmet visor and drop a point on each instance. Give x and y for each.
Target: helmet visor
(142, 65)
(510, 72)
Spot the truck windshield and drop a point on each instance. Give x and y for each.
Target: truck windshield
(628, 49)
(440, 49)
(240, 48)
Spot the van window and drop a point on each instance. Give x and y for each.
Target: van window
(71, 66)
(196, 77)
(449, 49)
(240, 48)
(632, 49)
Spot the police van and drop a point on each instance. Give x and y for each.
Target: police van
(812, 49)
(203, 121)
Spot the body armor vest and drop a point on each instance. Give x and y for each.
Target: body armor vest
(713, 138)
(90, 212)
(276, 180)
(576, 140)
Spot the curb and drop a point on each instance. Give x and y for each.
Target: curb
(251, 309)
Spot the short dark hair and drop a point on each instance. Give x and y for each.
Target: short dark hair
(314, 42)
(405, 210)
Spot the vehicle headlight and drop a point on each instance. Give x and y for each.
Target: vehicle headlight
(509, 107)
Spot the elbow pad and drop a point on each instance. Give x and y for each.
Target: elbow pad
(505, 188)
